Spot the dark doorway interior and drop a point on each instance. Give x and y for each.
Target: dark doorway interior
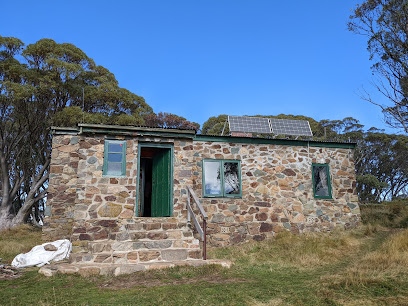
(155, 182)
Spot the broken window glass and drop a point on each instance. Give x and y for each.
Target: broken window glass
(231, 178)
(321, 181)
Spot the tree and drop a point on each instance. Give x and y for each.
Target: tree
(215, 125)
(385, 24)
(381, 166)
(40, 85)
(168, 120)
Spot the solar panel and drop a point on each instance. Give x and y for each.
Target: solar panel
(290, 127)
(269, 126)
(249, 124)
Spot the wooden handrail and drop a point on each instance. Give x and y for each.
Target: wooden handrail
(190, 214)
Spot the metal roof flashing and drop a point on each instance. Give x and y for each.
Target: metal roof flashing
(134, 131)
(123, 130)
(276, 141)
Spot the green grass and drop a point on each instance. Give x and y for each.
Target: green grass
(365, 266)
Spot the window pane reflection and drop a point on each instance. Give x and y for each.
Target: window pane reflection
(115, 157)
(231, 178)
(212, 178)
(115, 147)
(115, 168)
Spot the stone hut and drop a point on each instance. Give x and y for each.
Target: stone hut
(119, 193)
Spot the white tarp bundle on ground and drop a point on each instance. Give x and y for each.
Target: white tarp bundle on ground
(39, 256)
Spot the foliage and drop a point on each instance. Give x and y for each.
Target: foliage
(214, 126)
(382, 166)
(384, 23)
(370, 188)
(46, 84)
(167, 120)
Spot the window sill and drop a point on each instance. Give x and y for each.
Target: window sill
(222, 197)
(114, 176)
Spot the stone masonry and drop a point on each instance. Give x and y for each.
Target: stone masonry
(277, 191)
(97, 213)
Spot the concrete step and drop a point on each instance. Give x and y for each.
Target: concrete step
(86, 269)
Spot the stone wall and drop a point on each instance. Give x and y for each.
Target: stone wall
(277, 191)
(96, 212)
(62, 188)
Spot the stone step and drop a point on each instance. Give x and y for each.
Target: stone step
(158, 235)
(145, 240)
(138, 256)
(86, 269)
(154, 225)
(91, 230)
(123, 246)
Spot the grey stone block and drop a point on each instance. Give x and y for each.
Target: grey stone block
(138, 245)
(122, 246)
(74, 140)
(92, 160)
(172, 255)
(128, 269)
(158, 244)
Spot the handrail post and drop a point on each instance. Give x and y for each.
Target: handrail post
(205, 239)
(188, 210)
(190, 214)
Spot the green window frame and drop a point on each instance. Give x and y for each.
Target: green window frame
(319, 187)
(114, 158)
(223, 178)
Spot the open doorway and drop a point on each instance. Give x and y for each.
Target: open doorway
(155, 184)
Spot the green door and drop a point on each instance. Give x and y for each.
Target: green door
(161, 184)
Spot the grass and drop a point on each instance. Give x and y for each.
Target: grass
(365, 266)
(18, 240)
(389, 214)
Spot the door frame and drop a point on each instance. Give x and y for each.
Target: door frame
(154, 145)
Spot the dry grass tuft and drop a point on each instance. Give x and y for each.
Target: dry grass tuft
(303, 251)
(18, 240)
(377, 268)
(392, 254)
(389, 214)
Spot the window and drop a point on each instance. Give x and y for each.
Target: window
(221, 178)
(114, 159)
(321, 181)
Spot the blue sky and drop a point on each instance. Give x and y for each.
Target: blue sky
(204, 58)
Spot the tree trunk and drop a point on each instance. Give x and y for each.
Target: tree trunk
(8, 220)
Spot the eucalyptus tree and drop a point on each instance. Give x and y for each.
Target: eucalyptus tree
(385, 25)
(42, 84)
(168, 120)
